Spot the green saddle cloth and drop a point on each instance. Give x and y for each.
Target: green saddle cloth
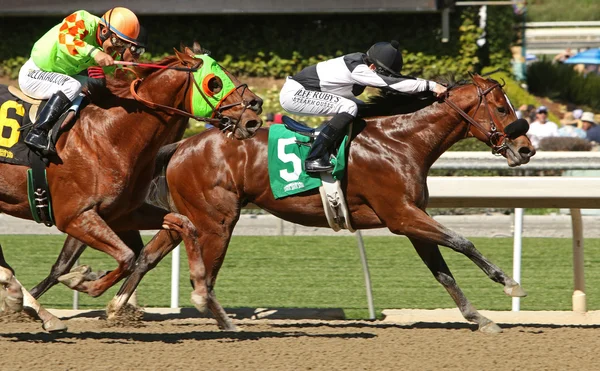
(286, 162)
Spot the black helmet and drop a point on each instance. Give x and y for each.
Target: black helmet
(386, 56)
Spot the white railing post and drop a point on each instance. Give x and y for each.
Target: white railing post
(579, 299)
(76, 293)
(175, 277)
(517, 249)
(366, 274)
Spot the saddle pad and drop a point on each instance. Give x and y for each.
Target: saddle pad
(13, 115)
(286, 162)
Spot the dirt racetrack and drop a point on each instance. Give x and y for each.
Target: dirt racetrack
(182, 344)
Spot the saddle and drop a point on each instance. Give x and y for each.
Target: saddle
(332, 194)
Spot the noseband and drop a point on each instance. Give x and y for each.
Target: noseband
(496, 139)
(225, 123)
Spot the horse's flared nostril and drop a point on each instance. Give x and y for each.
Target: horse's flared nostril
(526, 152)
(253, 125)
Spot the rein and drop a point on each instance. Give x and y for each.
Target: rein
(493, 136)
(225, 122)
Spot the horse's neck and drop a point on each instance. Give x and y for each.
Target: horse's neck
(156, 127)
(426, 133)
(134, 130)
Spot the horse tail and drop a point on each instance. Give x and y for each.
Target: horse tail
(159, 194)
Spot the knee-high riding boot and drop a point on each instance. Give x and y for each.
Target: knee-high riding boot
(38, 135)
(318, 157)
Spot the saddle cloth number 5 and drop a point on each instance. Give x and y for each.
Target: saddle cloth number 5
(10, 123)
(288, 157)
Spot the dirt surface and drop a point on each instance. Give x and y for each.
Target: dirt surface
(292, 345)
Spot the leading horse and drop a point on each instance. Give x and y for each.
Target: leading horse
(210, 180)
(107, 159)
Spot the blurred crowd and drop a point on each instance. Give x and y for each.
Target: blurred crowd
(575, 124)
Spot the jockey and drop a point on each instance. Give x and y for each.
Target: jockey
(80, 41)
(331, 87)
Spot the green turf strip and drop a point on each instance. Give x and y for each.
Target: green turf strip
(325, 272)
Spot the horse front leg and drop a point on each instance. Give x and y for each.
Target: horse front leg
(14, 298)
(93, 231)
(69, 254)
(431, 256)
(417, 224)
(72, 249)
(177, 228)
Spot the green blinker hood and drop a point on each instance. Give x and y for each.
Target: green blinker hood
(207, 73)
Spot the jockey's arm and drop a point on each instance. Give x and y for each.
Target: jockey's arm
(363, 75)
(72, 33)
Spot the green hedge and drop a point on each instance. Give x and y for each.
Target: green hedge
(561, 82)
(280, 45)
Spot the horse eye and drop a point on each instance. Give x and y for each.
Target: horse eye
(501, 109)
(214, 84)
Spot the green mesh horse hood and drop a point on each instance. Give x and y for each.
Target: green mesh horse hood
(216, 85)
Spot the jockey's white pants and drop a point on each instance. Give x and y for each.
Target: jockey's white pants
(297, 100)
(39, 84)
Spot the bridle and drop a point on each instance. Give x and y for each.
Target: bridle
(496, 138)
(224, 122)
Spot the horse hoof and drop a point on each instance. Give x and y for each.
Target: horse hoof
(72, 279)
(199, 302)
(83, 269)
(490, 328)
(54, 325)
(515, 291)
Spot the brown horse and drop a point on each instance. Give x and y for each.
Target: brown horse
(209, 180)
(107, 161)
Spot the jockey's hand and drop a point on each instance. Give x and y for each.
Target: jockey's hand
(439, 90)
(103, 59)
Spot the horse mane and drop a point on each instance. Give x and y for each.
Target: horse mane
(390, 102)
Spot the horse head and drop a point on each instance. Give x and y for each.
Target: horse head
(209, 93)
(495, 123)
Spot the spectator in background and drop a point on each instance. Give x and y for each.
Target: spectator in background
(525, 112)
(563, 56)
(541, 127)
(591, 128)
(572, 125)
(571, 130)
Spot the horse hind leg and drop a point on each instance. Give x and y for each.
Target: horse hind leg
(431, 256)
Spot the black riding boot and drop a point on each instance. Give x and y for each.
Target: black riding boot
(318, 157)
(38, 135)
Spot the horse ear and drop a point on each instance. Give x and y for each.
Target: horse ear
(197, 48)
(181, 56)
(189, 52)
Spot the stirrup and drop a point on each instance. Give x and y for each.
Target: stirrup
(39, 142)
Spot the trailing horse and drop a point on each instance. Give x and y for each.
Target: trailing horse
(106, 161)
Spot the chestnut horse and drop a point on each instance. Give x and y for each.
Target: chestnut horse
(209, 180)
(107, 161)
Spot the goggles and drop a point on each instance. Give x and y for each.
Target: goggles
(136, 50)
(119, 44)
